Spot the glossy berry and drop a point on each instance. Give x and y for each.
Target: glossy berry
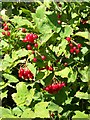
(30, 38)
(43, 57)
(77, 51)
(23, 30)
(34, 59)
(65, 64)
(71, 50)
(6, 28)
(35, 36)
(8, 33)
(36, 45)
(79, 45)
(3, 33)
(29, 47)
(4, 24)
(25, 40)
(50, 68)
(68, 39)
(74, 48)
(59, 21)
(71, 45)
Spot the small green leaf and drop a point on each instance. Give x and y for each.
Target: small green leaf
(6, 113)
(40, 75)
(63, 73)
(67, 31)
(41, 111)
(84, 50)
(54, 107)
(32, 68)
(83, 34)
(28, 113)
(10, 78)
(16, 111)
(80, 115)
(82, 95)
(40, 11)
(4, 94)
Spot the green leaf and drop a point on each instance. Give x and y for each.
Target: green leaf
(40, 11)
(41, 111)
(22, 52)
(54, 107)
(28, 113)
(16, 111)
(83, 34)
(80, 115)
(21, 94)
(67, 31)
(40, 75)
(6, 113)
(4, 94)
(63, 73)
(82, 95)
(84, 50)
(32, 68)
(10, 78)
(48, 79)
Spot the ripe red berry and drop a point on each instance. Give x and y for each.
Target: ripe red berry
(63, 84)
(79, 45)
(6, 28)
(71, 45)
(34, 59)
(36, 45)
(65, 64)
(23, 30)
(71, 50)
(25, 40)
(29, 47)
(77, 51)
(59, 21)
(74, 48)
(35, 36)
(50, 68)
(30, 38)
(43, 57)
(8, 33)
(4, 24)
(3, 33)
(68, 39)
(59, 16)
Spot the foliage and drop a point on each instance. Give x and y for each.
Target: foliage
(51, 61)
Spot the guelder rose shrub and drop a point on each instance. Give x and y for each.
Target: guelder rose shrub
(45, 60)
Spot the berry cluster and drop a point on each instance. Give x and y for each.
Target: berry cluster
(6, 28)
(74, 49)
(54, 88)
(25, 73)
(30, 38)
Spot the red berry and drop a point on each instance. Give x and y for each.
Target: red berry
(30, 38)
(59, 16)
(79, 45)
(71, 50)
(50, 68)
(68, 39)
(4, 24)
(65, 64)
(59, 86)
(6, 28)
(29, 47)
(59, 21)
(47, 67)
(43, 57)
(74, 48)
(77, 51)
(25, 40)
(34, 59)
(35, 36)
(63, 84)
(3, 33)
(8, 33)
(23, 30)
(36, 45)
(71, 45)
(33, 52)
